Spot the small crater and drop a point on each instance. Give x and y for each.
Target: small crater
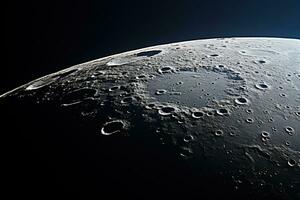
(168, 110)
(249, 111)
(113, 127)
(223, 111)
(290, 130)
(283, 95)
(127, 100)
(287, 143)
(148, 53)
(188, 138)
(65, 73)
(262, 86)
(261, 61)
(160, 92)
(167, 69)
(287, 107)
(219, 132)
(250, 120)
(241, 101)
(40, 83)
(142, 76)
(265, 139)
(265, 134)
(197, 114)
(114, 88)
(79, 94)
(292, 162)
(150, 106)
(232, 133)
(209, 113)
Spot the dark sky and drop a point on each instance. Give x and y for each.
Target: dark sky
(43, 37)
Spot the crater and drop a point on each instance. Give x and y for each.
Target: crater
(65, 73)
(78, 95)
(197, 114)
(197, 90)
(142, 76)
(41, 83)
(265, 134)
(113, 127)
(218, 132)
(188, 138)
(262, 86)
(249, 120)
(114, 88)
(160, 92)
(148, 53)
(292, 162)
(168, 110)
(166, 69)
(241, 101)
(223, 111)
(127, 100)
(289, 130)
(262, 61)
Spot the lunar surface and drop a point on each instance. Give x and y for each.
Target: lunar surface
(206, 118)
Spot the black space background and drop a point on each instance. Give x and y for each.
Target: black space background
(45, 36)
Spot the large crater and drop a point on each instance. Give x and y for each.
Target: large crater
(196, 88)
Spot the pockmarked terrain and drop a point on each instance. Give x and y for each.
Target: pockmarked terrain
(216, 117)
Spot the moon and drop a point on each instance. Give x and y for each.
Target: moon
(205, 118)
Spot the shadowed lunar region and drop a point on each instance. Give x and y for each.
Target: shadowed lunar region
(205, 118)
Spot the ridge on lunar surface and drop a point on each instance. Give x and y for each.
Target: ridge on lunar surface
(188, 118)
